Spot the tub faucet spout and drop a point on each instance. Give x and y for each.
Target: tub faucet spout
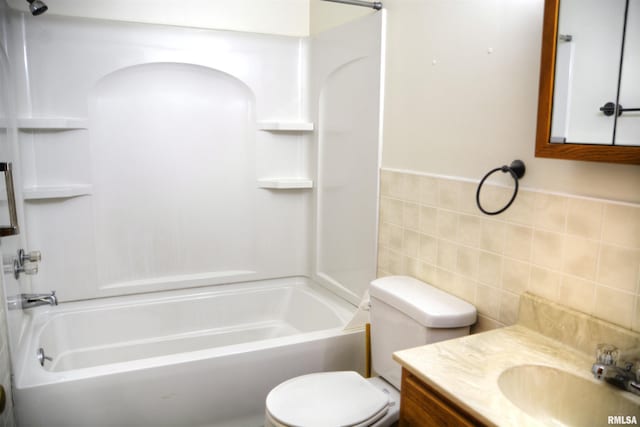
(34, 300)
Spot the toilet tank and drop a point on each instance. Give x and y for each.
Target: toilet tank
(406, 312)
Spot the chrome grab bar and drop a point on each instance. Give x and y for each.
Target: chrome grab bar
(12, 228)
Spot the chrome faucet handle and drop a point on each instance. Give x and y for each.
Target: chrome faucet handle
(30, 269)
(32, 256)
(607, 354)
(18, 269)
(617, 367)
(606, 359)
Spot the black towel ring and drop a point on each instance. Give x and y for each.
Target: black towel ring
(516, 169)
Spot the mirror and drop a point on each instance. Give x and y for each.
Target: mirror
(589, 95)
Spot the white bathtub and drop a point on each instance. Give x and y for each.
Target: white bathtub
(205, 357)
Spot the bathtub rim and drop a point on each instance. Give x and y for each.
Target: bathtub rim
(30, 374)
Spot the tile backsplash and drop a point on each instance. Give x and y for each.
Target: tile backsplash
(580, 252)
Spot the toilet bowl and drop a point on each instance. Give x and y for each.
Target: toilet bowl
(325, 399)
(405, 313)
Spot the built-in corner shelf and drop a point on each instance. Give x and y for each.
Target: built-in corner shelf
(274, 126)
(53, 123)
(57, 192)
(285, 183)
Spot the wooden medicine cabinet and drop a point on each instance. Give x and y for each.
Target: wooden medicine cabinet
(589, 94)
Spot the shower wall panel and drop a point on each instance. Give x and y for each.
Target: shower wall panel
(346, 76)
(142, 152)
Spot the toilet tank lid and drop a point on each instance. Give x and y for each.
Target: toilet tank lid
(422, 302)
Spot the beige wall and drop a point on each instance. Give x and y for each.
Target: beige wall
(325, 15)
(284, 17)
(461, 96)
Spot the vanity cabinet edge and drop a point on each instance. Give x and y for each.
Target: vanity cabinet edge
(423, 406)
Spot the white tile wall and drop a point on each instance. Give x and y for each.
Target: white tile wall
(584, 253)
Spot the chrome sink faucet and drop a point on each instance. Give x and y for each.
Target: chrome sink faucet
(621, 371)
(34, 300)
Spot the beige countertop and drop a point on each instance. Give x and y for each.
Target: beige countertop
(467, 369)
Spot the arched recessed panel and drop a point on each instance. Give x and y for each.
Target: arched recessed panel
(172, 163)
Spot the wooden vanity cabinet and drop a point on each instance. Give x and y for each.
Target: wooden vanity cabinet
(422, 406)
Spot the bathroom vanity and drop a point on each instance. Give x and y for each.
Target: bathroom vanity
(534, 373)
(422, 405)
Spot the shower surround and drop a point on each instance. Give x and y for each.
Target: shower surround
(159, 162)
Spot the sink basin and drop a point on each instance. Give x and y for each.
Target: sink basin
(558, 398)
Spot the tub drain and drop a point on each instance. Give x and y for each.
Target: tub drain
(42, 357)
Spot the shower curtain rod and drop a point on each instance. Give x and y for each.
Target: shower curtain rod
(375, 5)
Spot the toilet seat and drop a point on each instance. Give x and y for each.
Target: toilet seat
(327, 399)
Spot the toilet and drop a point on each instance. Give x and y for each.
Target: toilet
(405, 313)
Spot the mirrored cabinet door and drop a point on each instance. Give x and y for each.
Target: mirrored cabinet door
(628, 123)
(589, 99)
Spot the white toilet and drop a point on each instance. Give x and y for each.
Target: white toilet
(405, 313)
